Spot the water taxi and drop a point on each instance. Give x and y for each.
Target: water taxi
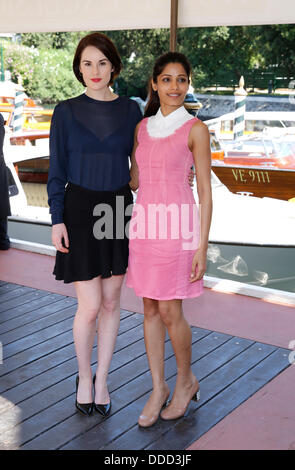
(259, 165)
(255, 122)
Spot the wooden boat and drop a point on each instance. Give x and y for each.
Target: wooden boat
(34, 170)
(10, 100)
(255, 122)
(262, 166)
(256, 181)
(35, 133)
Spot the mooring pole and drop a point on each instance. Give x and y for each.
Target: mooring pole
(173, 24)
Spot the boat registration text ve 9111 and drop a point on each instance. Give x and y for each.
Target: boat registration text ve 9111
(243, 175)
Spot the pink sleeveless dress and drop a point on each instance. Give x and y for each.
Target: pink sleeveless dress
(164, 228)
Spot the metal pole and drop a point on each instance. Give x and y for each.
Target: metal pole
(173, 24)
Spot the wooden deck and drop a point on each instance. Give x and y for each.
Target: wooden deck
(37, 379)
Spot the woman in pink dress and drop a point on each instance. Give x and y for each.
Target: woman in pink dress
(168, 233)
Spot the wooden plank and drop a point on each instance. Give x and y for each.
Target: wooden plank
(28, 343)
(31, 334)
(127, 417)
(16, 297)
(10, 417)
(38, 390)
(211, 384)
(25, 365)
(191, 428)
(131, 369)
(32, 325)
(123, 395)
(47, 354)
(39, 380)
(7, 287)
(18, 311)
(11, 308)
(209, 366)
(138, 364)
(38, 308)
(32, 328)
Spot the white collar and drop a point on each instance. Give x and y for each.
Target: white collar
(163, 126)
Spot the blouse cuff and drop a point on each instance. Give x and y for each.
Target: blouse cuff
(57, 218)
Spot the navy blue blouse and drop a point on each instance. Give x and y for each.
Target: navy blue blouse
(90, 142)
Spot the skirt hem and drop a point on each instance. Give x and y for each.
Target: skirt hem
(179, 297)
(88, 278)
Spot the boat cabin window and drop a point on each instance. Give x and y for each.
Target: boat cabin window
(227, 126)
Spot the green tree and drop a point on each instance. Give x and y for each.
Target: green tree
(59, 40)
(138, 50)
(220, 52)
(276, 44)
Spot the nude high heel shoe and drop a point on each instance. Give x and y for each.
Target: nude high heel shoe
(179, 413)
(148, 421)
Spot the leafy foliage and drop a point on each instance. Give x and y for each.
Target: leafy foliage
(44, 60)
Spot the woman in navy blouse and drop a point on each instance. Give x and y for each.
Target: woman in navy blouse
(91, 139)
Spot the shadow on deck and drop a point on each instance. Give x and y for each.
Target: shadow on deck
(39, 367)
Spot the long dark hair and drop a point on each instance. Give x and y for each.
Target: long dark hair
(153, 103)
(106, 46)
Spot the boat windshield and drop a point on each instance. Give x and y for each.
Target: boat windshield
(289, 123)
(252, 146)
(259, 124)
(284, 149)
(34, 118)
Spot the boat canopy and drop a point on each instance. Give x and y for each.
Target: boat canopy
(22, 16)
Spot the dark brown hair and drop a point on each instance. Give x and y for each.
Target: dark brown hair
(153, 103)
(106, 46)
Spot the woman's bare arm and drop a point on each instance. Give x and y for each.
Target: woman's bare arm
(199, 143)
(134, 182)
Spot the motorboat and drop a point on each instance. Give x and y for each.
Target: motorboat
(259, 165)
(255, 122)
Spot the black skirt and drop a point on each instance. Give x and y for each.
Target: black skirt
(97, 222)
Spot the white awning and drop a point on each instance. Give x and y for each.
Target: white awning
(79, 15)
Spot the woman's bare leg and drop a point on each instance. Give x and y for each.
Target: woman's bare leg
(107, 332)
(154, 336)
(89, 295)
(181, 337)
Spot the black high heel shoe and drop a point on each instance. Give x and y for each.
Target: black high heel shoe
(84, 408)
(104, 410)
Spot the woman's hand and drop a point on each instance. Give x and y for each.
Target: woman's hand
(59, 232)
(199, 265)
(191, 176)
